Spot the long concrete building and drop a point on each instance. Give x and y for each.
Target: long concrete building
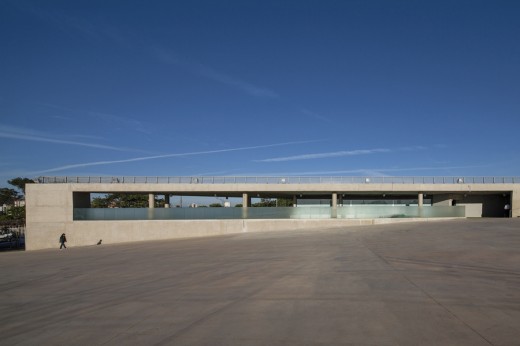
(57, 205)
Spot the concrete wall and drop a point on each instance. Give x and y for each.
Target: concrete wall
(48, 212)
(472, 209)
(442, 200)
(85, 233)
(515, 203)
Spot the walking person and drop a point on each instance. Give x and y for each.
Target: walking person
(507, 208)
(63, 240)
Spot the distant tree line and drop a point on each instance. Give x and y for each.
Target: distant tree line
(131, 200)
(123, 200)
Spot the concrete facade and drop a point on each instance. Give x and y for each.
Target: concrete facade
(50, 208)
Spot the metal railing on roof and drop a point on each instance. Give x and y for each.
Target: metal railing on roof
(277, 180)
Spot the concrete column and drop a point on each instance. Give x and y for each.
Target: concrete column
(515, 203)
(420, 198)
(151, 206)
(334, 211)
(246, 203)
(166, 201)
(246, 200)
(151, 200)
(294, 201)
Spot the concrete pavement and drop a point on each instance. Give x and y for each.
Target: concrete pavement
(434, 283)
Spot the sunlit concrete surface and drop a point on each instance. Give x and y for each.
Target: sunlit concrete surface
(435, 283)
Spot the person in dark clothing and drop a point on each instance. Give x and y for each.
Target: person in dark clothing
(63, 240)
(507, 209)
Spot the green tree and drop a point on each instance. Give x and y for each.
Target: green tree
(133, 201)
(265, 202)
(20, 183)
(99, 202)
(8, 196)
(122, 200)
(215, 205)
(15, 213)
(284, 202)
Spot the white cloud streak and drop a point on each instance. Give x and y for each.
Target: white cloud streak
(100, 30)
(36, 136)
(372, 172)
(316, 116)
(76, 26)
(99, 163)
(246, 87)
(339, 154)
(114, 120)
(167, 57)
(326, 155)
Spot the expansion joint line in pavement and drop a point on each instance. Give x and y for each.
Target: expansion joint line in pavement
(382, 258)
(168, 340)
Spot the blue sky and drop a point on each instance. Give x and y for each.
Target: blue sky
(171, 88)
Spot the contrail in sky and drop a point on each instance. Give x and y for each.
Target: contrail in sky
(360, 171)
(29, 135)
(338, 154)
(167, 57)
(99, 163)
(325, 155)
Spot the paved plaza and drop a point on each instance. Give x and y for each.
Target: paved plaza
(430, 283)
